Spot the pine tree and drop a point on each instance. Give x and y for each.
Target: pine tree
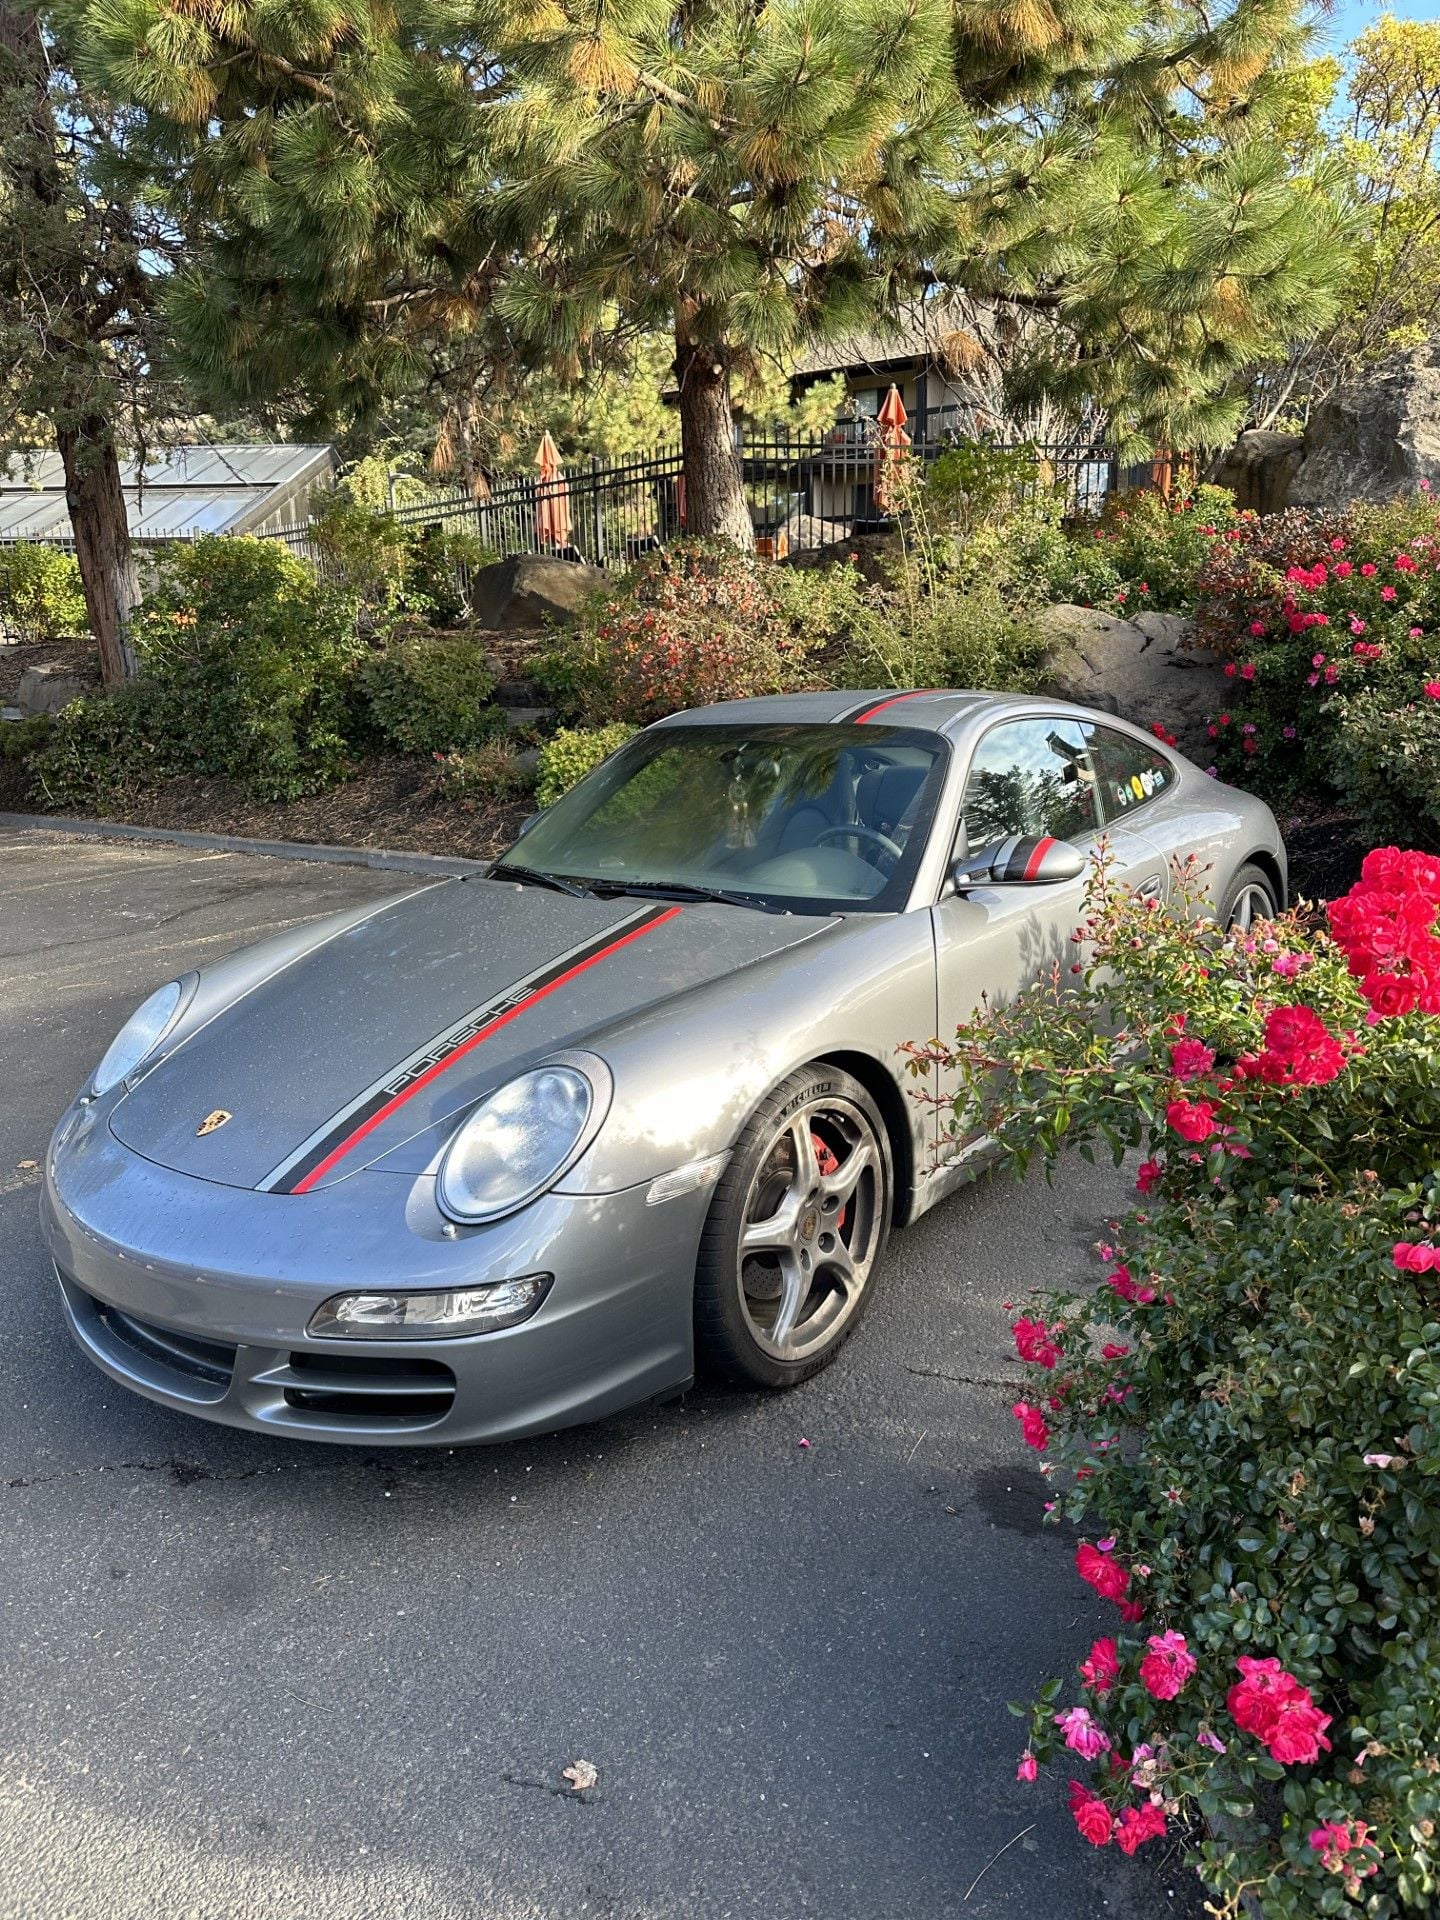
(75, 306)
(523, 178)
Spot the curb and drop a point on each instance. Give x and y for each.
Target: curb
(383, 858)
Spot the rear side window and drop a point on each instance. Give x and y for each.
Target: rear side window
(1129, 772)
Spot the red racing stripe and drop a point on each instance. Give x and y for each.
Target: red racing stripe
(918, 693)
(1032, 865)
(352, 1140)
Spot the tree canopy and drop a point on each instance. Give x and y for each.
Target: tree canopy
(525, 183)
(1376, 118)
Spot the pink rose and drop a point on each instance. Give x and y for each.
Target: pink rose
(1091, 1815)
(1027, 1769)
(1138, 1824)
(1193, 1120)
(1098, 1570)
(1032, 1425)
(1167, 1665)
(1101, 1667)
(1034, 1344)
(1190, 1058)
(1082, 1733)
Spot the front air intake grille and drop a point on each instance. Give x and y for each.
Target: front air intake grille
(208, 1362)
(366, 1387)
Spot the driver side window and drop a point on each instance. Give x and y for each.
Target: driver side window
(1031, 777)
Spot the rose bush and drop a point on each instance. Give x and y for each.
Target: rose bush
(1156, 545)
(1242, 1417)
(1329, 625)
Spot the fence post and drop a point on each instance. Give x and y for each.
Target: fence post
(597, 518)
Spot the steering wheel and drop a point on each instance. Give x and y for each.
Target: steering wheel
(856, 832)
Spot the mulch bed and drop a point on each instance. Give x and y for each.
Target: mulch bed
(389, 803)
(1325, 850)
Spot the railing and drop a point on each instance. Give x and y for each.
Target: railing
(805, 492)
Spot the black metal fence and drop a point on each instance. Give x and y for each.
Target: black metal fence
(805, 492)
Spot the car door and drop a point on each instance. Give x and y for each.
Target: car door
(1038, 774)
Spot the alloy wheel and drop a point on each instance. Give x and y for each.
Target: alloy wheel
(1252, 903)
(811, 1229)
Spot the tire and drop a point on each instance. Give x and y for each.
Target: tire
(1250, 897)
(776, 1313)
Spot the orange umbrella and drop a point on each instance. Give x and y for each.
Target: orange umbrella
(552, 497)
(893, 444)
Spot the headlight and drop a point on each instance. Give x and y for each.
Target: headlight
(139, 1036)
(520, 1139)
(430, 1316)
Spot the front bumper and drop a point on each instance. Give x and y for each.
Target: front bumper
(199, 1296)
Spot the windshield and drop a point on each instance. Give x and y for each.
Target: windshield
(811, 818)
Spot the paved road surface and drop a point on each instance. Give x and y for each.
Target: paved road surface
(245, 1678)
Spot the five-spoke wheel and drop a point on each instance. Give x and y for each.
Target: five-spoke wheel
(1251, 898)
(798, 1223)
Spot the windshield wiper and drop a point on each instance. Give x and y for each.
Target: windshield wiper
(680, 890)
(535, 878)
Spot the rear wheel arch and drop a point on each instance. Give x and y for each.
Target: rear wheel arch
(1270, 867)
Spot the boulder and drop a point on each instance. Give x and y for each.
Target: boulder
(1260, 469)
(47, 690)
(1378, 437)
(1143, 669)
(531, 590)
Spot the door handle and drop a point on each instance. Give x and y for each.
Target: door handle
(1150, 889)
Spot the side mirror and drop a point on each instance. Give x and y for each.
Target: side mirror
(1022, 860)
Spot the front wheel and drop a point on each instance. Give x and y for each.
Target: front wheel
(1251, 897)
(796, 1228)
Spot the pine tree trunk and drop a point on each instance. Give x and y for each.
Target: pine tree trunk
(102, 541)
(714, 486)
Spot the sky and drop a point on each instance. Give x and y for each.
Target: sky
(1349, 17)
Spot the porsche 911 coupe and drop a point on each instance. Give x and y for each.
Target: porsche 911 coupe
(519, 1150)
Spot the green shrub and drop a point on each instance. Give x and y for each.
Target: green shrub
(1385, 763)
(493, 771)
(106, 750)
(245, 659)
(361, 552)
(395, 567)
(438, 566)
(428, 692)
(974, 484)
(946, 638)
(21, 738)
(1157, 544)
(40, 593)
(572, 754)
(1245, 1412)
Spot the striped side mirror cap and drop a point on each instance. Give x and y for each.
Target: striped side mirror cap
(1023, 860)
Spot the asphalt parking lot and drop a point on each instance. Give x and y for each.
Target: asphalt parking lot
(243, 1677)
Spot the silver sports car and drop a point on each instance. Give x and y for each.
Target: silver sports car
(516, 1151)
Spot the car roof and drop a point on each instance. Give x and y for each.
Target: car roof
(932, 709)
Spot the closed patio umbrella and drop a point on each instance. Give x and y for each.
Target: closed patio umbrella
(552, 497)
(894, 441)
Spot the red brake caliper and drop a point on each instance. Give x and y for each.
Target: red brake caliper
(828, 1164)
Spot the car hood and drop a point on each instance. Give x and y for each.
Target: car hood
(409, 1016)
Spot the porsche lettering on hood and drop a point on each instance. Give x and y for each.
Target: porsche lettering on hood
(411, 1015)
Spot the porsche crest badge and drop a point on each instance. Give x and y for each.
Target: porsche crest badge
(213, 1122)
